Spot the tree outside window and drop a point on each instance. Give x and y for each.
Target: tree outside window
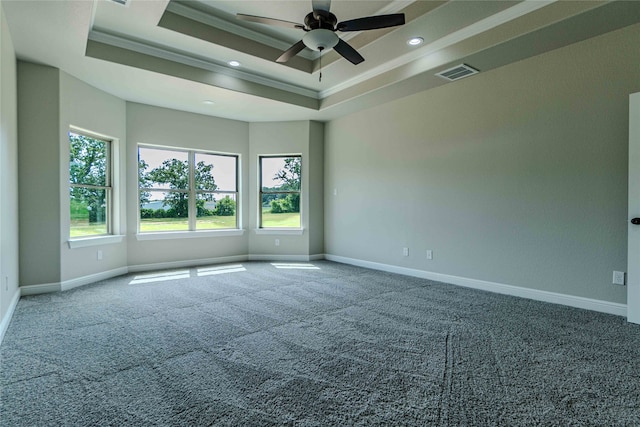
(90, 188)
(185, 190)
(280, 186)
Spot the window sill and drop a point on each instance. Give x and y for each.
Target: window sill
(167, 235)
(95, 241)
(281, 231)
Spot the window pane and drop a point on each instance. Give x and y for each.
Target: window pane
(164, 169)
(215, 172)
(88, 159)
(281, 210)
(88, 212)
(280, 203)
(165, 188)
(216, 211)
(164, 211)
(280, 173)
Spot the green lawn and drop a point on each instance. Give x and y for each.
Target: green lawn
(182, 224)
(269, 220)
(280, 220)
(81, 228)
(163, 224)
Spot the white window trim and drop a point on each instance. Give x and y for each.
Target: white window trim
(280, 231)
(169, 235)
(95, 241)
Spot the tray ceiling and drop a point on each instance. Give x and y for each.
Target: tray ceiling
(176, 53)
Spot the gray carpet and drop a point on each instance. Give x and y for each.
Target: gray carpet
(339, 345)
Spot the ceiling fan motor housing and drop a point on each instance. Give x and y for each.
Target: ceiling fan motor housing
(320, 19)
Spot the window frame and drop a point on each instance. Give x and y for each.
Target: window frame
(191, 192)
(261, 227)
(108, 187)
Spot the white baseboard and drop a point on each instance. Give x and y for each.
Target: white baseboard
(43, 288)
(86, 280)
(73, 283)
(286, 258)
(186, 264)
(4, 324)
(534, 294)
(517, 291)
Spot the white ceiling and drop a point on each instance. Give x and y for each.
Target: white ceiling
(175, 53)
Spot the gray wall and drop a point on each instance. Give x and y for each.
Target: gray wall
(299, 137)
(161, 126)
(316, 188)
(8, 171)
(516, 176)
(39, 173)
(87, 108)
(50, 101)
(47, 259)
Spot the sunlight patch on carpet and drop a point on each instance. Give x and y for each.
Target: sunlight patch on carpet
(185, 274)
(160, 277)
(210, 271)
(294, 266)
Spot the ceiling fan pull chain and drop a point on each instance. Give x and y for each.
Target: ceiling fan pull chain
(320, 78)
(320, 48)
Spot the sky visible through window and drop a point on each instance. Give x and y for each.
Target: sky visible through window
(270, 167)
(223, 166)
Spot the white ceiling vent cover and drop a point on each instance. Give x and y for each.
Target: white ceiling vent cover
(458, 72)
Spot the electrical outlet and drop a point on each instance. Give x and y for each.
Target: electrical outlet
(99, 255)
(405, 251)
(618, 278)
(277, 242)
(429, 254)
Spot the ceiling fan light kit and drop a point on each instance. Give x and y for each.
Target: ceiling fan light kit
(320, 39)
(321, 25)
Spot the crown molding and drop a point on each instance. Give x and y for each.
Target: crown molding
(230, 27)
(100, 36)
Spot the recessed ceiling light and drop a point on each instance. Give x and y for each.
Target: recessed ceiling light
(234, 63)
(415, 41)
(208, 102)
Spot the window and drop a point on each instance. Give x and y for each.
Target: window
(89, 186)
(186, 190)
(280, 184)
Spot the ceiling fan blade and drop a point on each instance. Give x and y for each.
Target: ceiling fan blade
(269, 21)
(321, 5)
(291, 52)
(372, 22)
(348, 52)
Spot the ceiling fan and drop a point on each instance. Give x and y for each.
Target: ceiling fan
(321, 25)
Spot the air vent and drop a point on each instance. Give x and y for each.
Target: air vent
(458, 72)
